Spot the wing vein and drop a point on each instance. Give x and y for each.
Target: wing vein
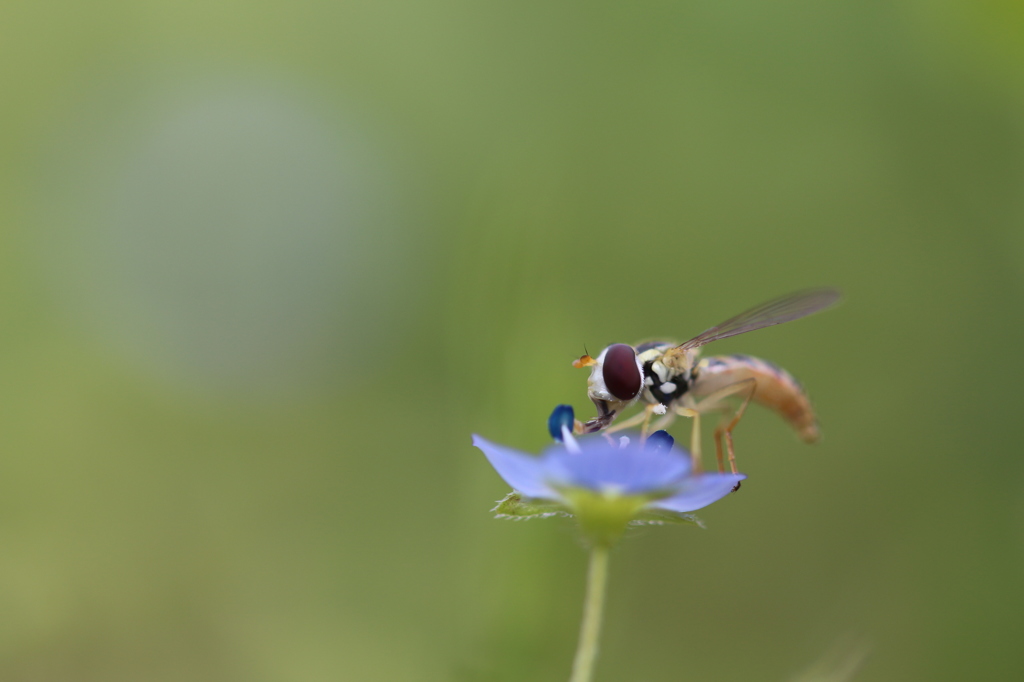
(779, 310)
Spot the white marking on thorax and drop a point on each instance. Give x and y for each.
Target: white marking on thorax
(661, 370)
(668, 387)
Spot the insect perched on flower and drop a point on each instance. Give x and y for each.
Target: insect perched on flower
(672, 382)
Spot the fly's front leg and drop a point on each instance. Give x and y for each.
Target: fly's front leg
(657, 408)
(694, 433)
(687, 411)
(642, 418)
(665, 421)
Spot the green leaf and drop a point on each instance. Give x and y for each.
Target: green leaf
(516, 507)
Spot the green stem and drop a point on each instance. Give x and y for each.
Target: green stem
(590, 629)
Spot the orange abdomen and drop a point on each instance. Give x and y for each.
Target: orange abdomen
(776, 388)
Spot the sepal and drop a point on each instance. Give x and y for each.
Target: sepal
(516, 507)
(603, 516)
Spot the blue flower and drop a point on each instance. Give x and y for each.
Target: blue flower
(606, 485)
(663, 475)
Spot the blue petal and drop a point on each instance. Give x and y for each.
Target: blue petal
(562, 416)
(523, 472)
(660, 440)
(602, 465)
(699, 491)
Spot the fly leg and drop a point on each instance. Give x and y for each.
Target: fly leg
(674, 412)
(642, 418)
(695, 455)
(713, 402)
(665, 421)
(727, 430)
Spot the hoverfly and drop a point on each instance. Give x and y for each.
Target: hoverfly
(672, 382)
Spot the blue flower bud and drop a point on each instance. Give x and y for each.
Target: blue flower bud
(562, 416)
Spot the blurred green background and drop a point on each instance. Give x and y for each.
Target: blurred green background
(266, 266)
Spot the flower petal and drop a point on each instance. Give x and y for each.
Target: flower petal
(562, 417)
(699, 491)
(601, 465)
(660, 440)
(523, 472)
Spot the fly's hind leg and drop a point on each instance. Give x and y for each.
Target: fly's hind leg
(714, 402)
(727, 430)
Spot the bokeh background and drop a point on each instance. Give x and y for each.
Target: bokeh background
(266, 266)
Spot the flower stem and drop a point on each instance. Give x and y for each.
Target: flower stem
(590, 628)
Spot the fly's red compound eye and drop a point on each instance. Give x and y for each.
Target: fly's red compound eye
(621, 374)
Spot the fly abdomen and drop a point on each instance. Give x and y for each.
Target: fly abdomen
(776, 388)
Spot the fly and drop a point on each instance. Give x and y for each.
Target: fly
(672, 381)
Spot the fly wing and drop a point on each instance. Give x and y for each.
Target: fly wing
(777, 311)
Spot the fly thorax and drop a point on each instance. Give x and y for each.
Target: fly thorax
(663, 384)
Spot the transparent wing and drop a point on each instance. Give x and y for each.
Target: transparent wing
(777, 311)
